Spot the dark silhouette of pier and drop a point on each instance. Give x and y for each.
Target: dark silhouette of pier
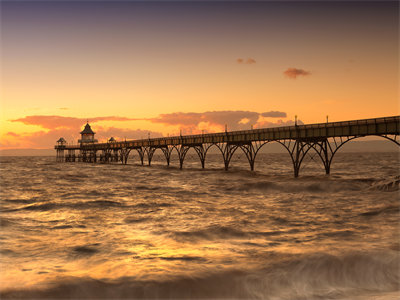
(323, 138)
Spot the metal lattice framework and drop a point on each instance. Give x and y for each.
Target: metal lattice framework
(324, 139)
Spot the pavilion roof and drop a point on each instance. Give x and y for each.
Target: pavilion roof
(87, 130)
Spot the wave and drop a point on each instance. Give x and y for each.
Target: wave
(59, 205)
(296, 187)
(321, 185)
(48, 206)
(152, 205)
(381, 210)
(311, 277)
(222, 232)
(85, 250)
(388, 185)
(132, 220)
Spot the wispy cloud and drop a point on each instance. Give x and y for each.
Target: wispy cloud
(278, 123)
(69, 128)
(274, 114)
(293, 73)
(55, 122)
(55, 127)
(121, 134)
(47, 139)
(13, 134)
(215, 120)
(248, 61)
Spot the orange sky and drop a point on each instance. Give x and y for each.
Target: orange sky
(133, 68)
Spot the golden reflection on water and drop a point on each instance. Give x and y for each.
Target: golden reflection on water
(156, 226)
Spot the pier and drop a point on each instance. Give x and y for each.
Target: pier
(325, 139)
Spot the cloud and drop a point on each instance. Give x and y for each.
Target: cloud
(39, 139)
(55, 127)
(274, 114)
(55, 122)
(69, 128)
(213, 121)
(244, 121)
(217, 119)
(248, 61)
(10, 133)
(278, 123)
(120, 134)
(294, 72)
(43, 139)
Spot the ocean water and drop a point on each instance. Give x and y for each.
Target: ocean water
(77, 230)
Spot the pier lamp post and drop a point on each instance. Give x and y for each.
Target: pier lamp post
(295, 120)
(327, 117)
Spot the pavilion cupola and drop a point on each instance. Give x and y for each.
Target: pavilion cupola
(87, 135)
(61, 142)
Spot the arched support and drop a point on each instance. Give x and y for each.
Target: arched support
(201, 152)
(167, 150)
(150, 152)
(124, 155)
(327, 150)
(182, 150)
(250, 153)
(297, 149)
(140, 151)
(395, 139)
(250, 150)
(227, 151)
(326, 154)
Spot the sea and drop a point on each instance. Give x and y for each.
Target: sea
(113, 231)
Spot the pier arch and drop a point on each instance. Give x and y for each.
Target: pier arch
(326, 150)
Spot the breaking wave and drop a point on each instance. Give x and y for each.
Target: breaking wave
(388, 185)
(217, 232)
(313, 276)
(321, 186)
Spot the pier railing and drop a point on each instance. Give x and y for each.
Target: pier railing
(364, 127)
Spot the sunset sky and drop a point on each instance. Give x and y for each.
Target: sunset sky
(133, 67)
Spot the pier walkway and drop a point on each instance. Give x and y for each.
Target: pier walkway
(323, 138)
